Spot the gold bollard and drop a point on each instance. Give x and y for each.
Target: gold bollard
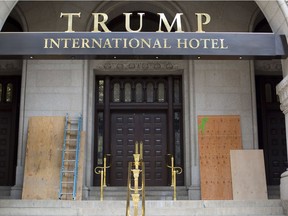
(138, 168)
(136, 173)
(136, 160)
(141, 151)
(135, 199)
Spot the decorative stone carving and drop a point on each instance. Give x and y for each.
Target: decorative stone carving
(10, 66)
(282, 92)
(268, 66)
(137, 66)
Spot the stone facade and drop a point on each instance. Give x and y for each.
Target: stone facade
(210, 87)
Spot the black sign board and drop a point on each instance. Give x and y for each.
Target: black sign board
(142, 43)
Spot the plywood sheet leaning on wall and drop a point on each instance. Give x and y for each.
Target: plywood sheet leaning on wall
(43, 158)
(217, 135)
(248, 175)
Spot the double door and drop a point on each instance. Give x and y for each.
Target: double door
(151, 129)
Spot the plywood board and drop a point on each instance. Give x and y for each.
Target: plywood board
(248, 175)
(43, 158)
(217, 135)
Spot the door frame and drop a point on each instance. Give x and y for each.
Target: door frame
(164, 72)
(184, 68)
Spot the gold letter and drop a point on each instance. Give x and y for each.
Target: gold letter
(196, 45)
(182, 43)
(165, 43)
(222, 44)
(70, 19)
(205, 43)
(116, 41)
(85, 43)
(65, 42)
(199, 21)
(101, 23)
(57, 44)
(46, 43)
(214, 43)
(127, 22)
(75, 43)
(168, 27)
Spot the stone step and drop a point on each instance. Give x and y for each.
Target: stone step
(149, 204)
(153, 208)
(151, 193)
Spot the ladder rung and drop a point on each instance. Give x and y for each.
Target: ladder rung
(73, 121)
(71, 129)
(67, 182)
(71, 139)
(69, 160)
(68, 171)
(66, 193)
(67, 151)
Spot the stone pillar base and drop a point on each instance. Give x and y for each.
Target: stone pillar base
(284, 186)
(16, 192)
(85, 193)
(194, 193)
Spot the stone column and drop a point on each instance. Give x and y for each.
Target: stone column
(282, 92)
(6, 7)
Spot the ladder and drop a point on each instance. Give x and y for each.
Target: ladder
(70, 158)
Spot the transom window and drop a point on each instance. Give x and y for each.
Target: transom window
(6, 92)
(138, 90)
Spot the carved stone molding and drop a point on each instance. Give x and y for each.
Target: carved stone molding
(271, 66)
(282, 92)
(137, 66)
(10, 66)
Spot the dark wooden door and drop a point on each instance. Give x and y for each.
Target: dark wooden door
(151, 129)
(276, 150)
(9, 117)
(271, 128)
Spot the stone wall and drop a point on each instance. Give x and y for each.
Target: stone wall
(226, 88)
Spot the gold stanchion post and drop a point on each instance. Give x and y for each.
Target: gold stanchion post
(174, 171)
(138, 168)
(102, 170)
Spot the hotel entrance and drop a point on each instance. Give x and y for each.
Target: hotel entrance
(132, 109)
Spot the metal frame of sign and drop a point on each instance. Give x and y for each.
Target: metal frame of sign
(85, 44)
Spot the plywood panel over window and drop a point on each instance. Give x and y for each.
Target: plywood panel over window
(217, 135)
(43, 158)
